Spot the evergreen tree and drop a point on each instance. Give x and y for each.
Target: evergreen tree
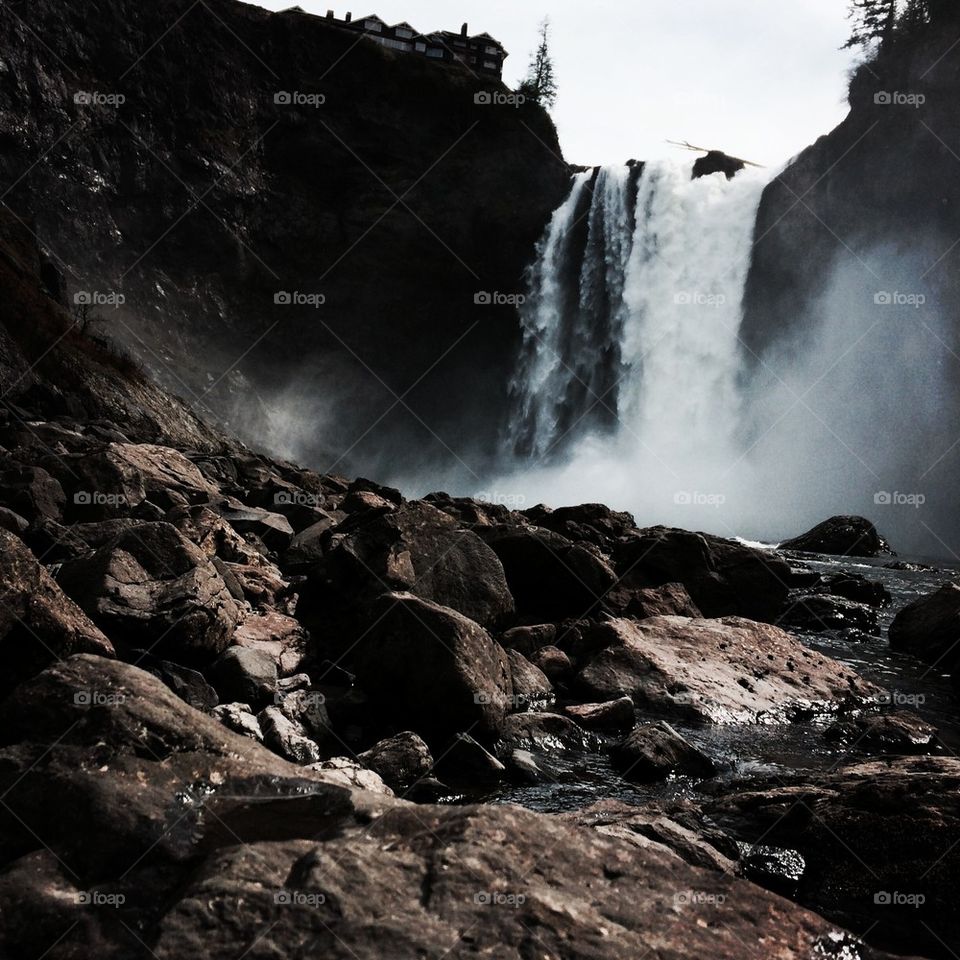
(872, 20)
(540, 83)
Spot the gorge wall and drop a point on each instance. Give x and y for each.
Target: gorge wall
(143, 145)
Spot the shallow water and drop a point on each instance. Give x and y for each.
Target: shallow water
(576, 779)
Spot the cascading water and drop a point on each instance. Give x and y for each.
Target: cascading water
(629, 373)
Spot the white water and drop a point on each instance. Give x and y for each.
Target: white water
(634, 380)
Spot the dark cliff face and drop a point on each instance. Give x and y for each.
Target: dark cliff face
(383, 189)
(852, 307)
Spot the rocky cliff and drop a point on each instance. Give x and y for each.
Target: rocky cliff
(196, 160)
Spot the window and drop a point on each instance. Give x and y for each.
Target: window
(372, 25)
(404, 33)
(459, 43)
(420, 47)
(491, 50)
(490, 65)
(435, 52)
(393, 44)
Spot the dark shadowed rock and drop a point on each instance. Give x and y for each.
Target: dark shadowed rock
(150, 587)
(723, 577)
(38, 622)
(929, 628)
(244, 675)
(544, 731)
(550, 577)
(529, 640)
(414, 548)
(843, 536)
(855, 587)
(401, 761)
(429, 669)
(716, 161)
(31, 492)
(592, 523)
(654, 751)
(720, 671)
(899, 732)
(816, 612)
(272, 529)
(672, 599)
(553, 662)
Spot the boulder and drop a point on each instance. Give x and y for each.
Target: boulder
(31, 492)
(150, 587)
(671, 599)
(466, 762)
(879, 843)
(400, 761)
(308, 709)
(929, 628)
(429, 669)
(723, 577)
(189, 685)
(244, 675)
(543, 731)
(817, 612)
(898, 732)
(481, 881)
(38, 622)
(840, 536)
(271, 529)
(550, 577)
(287, 737)
(528, 640)
(553, 662)
(350, 773)
(414, 548)
(654, 751)
(720, 671)
(532, 689)
(591, 523)
(239, 718)
(853, 586)
(612, 715)
(276, 634)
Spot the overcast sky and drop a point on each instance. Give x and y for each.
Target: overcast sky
(760, 79)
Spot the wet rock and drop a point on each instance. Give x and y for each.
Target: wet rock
(553, 662)
(840, 536)
(859, 589)
(38, 622)
(244, 675)
(544, 731)
(929, 628)
(239, 718)
(612, 715)
(430, 669)
(523, 767)
(150, 587)
(720, 671)
(898, 732)
(286, 737)
(654, 751)
(532, 689)
(723, 577)
(400, 761)
(550, 577)
(816, 612)
(880, 842)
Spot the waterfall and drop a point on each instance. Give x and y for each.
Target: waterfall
(630, 359)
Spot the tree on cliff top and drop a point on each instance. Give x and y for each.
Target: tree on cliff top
(540, 83)
(890, 20)
(872, 20)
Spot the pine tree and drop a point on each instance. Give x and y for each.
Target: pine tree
(872, 20)
(540, 84)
